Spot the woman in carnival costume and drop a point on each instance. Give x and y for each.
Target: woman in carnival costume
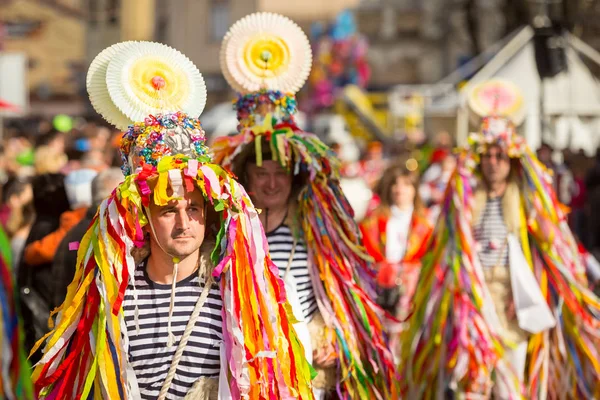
(15, 382)
(396, 234)
(502, 306)
(294, 178)
(174, 294)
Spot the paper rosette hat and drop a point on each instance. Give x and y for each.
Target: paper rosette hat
(158, 93)
(452, 321)
(498, 107)
(266, 58)
(499, 98)
(497, 131)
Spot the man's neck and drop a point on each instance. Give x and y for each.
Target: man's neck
(271, 218)
(496, 189)
(160, 267)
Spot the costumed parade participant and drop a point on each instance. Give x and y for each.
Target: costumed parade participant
(396, 234)
(174, 295)
(294, 178)
(501, 306)
(15, 382)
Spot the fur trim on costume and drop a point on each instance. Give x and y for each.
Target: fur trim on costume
(511, 203)
(204, 389)
(326, 377)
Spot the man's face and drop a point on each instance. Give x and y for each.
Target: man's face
(545, 155)
(495, 165)
(179, 226)
(270, 185)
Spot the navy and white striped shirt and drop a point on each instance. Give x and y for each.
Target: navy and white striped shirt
(281, 243)
(148, 352)
(491, 235)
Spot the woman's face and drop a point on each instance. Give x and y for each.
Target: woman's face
(403, 192)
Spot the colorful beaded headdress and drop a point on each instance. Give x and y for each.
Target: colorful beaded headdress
(324, 216)
(497, 106)
(157, 93)
(497, 131)
(260, 60)
(452, 338)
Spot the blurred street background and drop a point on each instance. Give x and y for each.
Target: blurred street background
(389, 78)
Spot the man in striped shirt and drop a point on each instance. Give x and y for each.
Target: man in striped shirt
(149, 316)
(178, 230)
(497, 204)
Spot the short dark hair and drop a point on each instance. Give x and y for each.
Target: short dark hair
(49, 194)
(14, 186)
(46, 138)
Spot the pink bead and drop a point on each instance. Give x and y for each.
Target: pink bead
(158, 82)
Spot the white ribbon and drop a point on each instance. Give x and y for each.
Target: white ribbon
(533, 313)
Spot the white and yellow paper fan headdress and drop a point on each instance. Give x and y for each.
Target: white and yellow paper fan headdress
(266, 58)
(129, 81)
(266, 51)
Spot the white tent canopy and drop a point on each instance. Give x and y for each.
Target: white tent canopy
(571, 99)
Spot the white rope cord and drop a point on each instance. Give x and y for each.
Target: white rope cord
(289, 264)
(170, 336)
(184, 339)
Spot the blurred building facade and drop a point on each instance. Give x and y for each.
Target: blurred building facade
(197, 27)
(52, 35)
(411, 41)
(421, 41)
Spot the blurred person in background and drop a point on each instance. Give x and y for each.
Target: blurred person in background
(15, 381)
(49, 161)
(19, 154)
(562, 176)
(3, 164)
(17, 214)
(18, 240)
(592, 183)
(435, 180)
(88, 149)
(371, 166)
(63, 267)
(49, 201)
(443, 141)
(396, 235)
(78, 187)
(577, 217)
(16, 194)
(75, 152)
(53, 139)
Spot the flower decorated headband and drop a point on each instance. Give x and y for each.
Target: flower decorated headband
(247, 105)
(266, 58)
(146, 143)
(295, 150)
(497, 131)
